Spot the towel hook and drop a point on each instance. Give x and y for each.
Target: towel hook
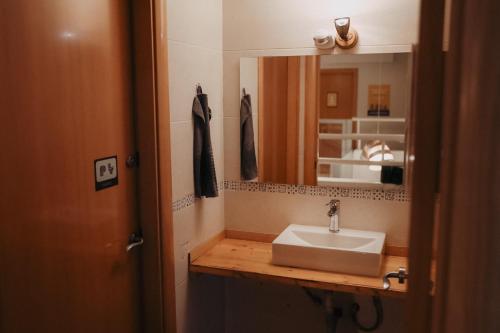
(244, 92)
(199, 90)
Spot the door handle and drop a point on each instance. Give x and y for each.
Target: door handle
(134, 240)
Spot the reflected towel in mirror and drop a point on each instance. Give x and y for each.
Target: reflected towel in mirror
(248, 160)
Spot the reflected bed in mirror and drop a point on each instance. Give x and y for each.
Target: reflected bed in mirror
(329, 119)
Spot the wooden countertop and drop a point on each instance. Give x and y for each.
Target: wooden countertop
(250, 259)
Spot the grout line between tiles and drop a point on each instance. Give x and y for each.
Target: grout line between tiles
(175, 41)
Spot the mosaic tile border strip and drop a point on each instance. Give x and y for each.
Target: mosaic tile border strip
(325, 191)
(184, 202)
(190, 199)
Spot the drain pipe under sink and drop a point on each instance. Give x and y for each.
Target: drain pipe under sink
(332, 313)
(379, 315)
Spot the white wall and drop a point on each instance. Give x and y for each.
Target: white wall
(286, 27)
(195, 56)
(290, 24)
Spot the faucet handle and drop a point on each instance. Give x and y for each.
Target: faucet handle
(401, 275)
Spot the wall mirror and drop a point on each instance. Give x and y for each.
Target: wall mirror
(329, 119)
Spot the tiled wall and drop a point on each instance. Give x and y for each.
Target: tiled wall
(389, 193)
(269, 208)
(195, 56)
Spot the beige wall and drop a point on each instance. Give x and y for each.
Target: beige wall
(271, 213)
(290, 24)
(195, 56)
(285, 27)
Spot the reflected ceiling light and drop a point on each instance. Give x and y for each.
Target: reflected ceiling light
(346, 37)
(377, 151)
(67, 35)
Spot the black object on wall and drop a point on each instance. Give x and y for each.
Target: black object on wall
(391, 175)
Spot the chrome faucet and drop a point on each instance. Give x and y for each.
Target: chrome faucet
(333, 213)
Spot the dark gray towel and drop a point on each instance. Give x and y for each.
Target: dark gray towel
(205, 180)
(248, 160)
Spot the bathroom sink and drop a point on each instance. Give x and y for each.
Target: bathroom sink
(348, 251)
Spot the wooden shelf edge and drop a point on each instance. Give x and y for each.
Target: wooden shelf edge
(352, 289)
(250, 236)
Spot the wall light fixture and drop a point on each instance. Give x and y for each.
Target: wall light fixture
(346, 37)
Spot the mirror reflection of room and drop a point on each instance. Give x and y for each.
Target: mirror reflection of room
(329, 119)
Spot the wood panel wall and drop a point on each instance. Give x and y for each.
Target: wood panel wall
(279, 84)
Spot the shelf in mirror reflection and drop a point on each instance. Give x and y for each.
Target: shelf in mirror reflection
(359, 136)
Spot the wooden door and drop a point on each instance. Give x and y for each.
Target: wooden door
(338, 100)
(467, 297)
(456, 145)
(279, 84)
(66, 100)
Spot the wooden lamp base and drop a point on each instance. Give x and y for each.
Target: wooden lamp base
(349, 42)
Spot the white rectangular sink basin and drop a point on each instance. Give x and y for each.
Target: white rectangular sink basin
(348, 251)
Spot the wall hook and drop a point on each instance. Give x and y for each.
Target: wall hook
(199, 90)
